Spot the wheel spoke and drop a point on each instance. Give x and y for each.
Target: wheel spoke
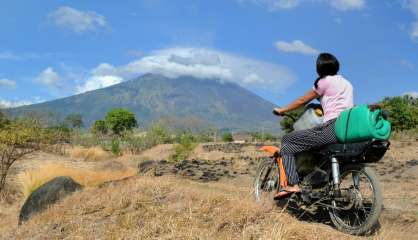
(266, 181)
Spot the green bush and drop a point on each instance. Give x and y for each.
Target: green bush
(183, 149)
(99, 128)
(17, 138)
(158, 134)
(119, 120)
(403, 111)
(261, 137)
(3, 120)
(115, 147)
(73, 121)
(227, 137)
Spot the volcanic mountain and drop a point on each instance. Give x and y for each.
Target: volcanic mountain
(223, 105)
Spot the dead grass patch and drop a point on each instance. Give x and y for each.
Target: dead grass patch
(167, 208)
(89, 154)
(32, 179)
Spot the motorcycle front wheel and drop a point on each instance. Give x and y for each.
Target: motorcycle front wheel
(359, 213)
(266, 180)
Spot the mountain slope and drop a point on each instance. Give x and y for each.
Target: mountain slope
(151, 97)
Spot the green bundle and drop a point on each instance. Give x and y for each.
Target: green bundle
(361, 124)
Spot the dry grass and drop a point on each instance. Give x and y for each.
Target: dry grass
(30, 180)
(170, 208)
(89, 154)
(166, 208)
(407, 135)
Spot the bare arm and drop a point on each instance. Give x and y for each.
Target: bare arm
(309, 96)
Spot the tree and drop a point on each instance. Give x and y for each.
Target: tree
(17, 139)
(74, 121)
(227, 137)
(99, 127)
(119, 120)
(403, 112)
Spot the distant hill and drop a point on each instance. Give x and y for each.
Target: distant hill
(151, 97)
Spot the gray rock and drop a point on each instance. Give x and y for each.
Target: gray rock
(46, 195)
(146, 166)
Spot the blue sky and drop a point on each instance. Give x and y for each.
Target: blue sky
(52, 49)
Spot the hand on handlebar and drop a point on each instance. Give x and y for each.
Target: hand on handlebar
(278, 111)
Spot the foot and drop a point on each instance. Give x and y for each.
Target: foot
(287, 192)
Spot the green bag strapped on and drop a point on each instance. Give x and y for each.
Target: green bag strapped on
(361, 124)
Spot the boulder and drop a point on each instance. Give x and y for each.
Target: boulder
(146, 166)
(46, 195)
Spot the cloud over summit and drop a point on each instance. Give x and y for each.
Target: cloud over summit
(201, 63)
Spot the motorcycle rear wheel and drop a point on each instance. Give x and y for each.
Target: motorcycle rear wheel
(361, 215)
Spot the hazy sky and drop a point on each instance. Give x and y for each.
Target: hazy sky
(52, 49)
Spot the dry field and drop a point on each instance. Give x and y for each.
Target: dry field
(185, 203)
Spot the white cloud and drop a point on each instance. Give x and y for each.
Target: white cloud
(17, 103)
(200, 63)
(412, 6)
(104, 69)
(296, 46)
(283, 4)
(345, 5)
(96, 82)
(7, 83)
(414, 31)
(9, 56)
(274, 5)
(49, 78)
(407, 64)
(413, 94)
(76, 20)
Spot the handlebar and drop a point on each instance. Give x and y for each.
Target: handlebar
(284, 115)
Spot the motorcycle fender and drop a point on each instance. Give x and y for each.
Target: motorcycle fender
(270, 149)
(274, 151)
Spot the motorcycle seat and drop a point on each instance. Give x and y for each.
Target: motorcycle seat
(372, 150)
(347, 150)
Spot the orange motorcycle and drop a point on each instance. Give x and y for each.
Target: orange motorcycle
(334, 178)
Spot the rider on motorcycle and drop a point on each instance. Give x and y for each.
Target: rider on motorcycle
(336, 95)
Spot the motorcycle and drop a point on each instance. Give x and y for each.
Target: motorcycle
(334, 178)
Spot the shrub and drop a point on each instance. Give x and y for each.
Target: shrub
(17, 139)
(3, 120)
(115, 147)
(227, 137)
(99, 128)
(183, 149)
(403, 111)
(119, 120)
(261, 137)
(73, 121)
(158, 134)
(89, 154)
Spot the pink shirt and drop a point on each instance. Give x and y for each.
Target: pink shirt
(336, 95)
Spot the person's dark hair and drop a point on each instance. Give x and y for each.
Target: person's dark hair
(326, 65)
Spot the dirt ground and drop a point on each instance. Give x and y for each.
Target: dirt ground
(207, 196)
